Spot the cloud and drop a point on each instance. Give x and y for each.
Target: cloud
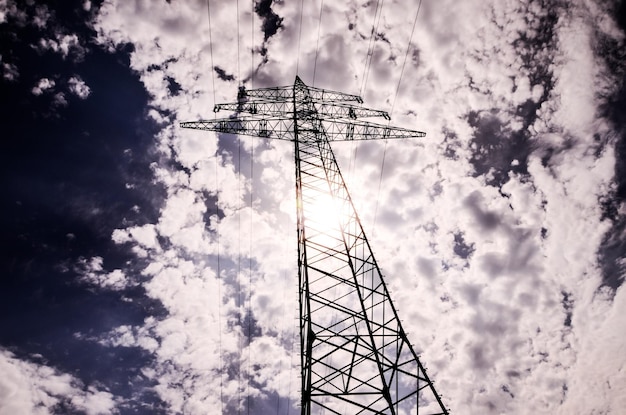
(11, 11)
(10, 72)
(91, 272)
(42, 86)
(78, 87)
(63, 44)
(59, 100)
(75, 85)
(42, 15)
(601, 318)
(39, 389)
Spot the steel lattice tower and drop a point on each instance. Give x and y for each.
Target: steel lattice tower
(355, 355)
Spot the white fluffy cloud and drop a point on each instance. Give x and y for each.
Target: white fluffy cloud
(10, 72)
(78, 87)
(91, 272)
(63, 44)
(31, 388)
(42, 86)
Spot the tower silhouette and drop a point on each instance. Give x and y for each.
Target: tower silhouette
(355, 355)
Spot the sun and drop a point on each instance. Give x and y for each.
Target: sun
(322, 216)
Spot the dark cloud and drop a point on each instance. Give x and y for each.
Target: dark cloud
(536, 46)
(462, 248)
(271, 21)
(223, 75)
(519, 259)
(506, 389)
(486, 220)
(498, 149)
(427, 267)
(451, 144)
(173, 87)
(568, 306)
(479, 356)
(471, 293)
(494, 264)
(495, 320)
(389, 217)
(612, 254)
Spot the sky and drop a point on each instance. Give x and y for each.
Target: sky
(150, 269)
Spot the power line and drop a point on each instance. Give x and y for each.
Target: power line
(380, 182)
(208, 5)
(408, 46)
(282, 330)
(299, 38)
(370, 47)
(369, 65)
(293, 337)
(238, 72)
(219, 288)
(217, 231)
(319, 25)
(249, 311)
(252, 47)
(382, 167)
(240, 303)
(366, 66)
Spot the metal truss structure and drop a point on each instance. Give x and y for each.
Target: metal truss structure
(355, 356)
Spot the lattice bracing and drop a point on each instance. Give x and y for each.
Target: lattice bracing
(283, 128)
(285, 93)
(355, 356)
(280, 108)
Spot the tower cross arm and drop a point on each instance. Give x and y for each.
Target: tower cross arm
(319, 94)
(277, 108)
(282, 128)
(340, 110)
(283, 93)
(327, 95)
(343, 130)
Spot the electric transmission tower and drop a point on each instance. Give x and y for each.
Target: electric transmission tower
(355, 356)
